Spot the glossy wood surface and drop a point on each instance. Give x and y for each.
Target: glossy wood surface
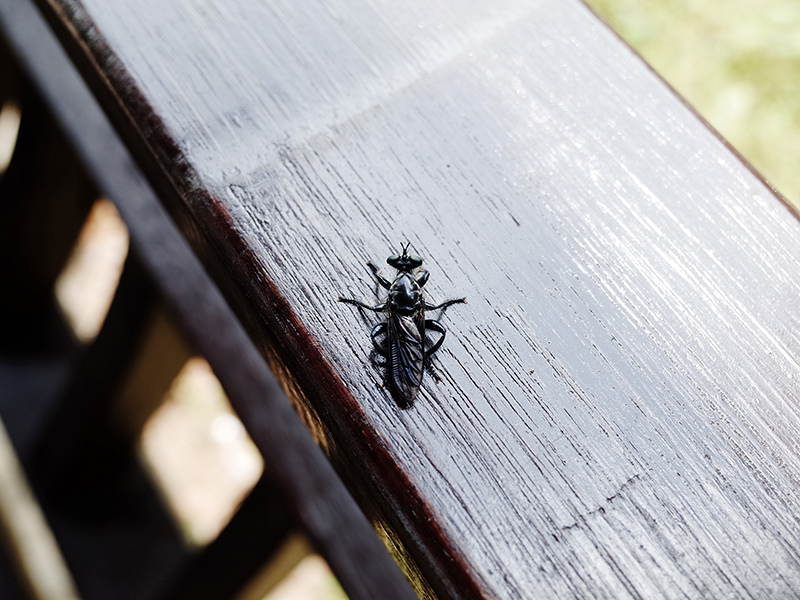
(617, 415)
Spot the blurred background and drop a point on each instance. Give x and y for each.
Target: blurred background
(736, 61)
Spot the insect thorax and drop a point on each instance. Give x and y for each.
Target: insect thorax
(405, 292)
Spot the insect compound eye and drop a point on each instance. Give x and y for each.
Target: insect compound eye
(393, 259)
(414, 261)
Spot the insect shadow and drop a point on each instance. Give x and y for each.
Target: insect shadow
(401, 343)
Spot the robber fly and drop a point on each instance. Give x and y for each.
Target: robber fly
(405, 345)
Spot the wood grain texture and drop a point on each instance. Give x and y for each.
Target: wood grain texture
(617, 415)
(313, 493)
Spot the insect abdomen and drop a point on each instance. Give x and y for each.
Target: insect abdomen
(407, 356)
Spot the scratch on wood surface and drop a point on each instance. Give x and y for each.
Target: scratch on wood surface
(601, 510)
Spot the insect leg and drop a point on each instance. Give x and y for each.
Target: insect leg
(423, 279)
(379, 329)
(377, 308)
(377, 273)
(439, 328)
(445, 304)
(435, 326)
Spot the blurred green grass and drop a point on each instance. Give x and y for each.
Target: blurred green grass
(736, 61)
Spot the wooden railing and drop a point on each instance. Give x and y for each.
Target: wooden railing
(613, 412)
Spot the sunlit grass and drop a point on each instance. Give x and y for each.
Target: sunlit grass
(736, 61)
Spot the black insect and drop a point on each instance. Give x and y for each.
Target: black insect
(405, 345)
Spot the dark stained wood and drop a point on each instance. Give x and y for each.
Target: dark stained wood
(254, 535)
(44, 198)
(10, 587)
(617, 414)
(314, 494)
(117, 537)
(101, 506)
(78, 448)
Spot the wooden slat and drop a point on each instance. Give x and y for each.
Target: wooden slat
(617, 413)
(75, 445)
(261, 525)
(26, 536)
(313, 492)
(46, 197)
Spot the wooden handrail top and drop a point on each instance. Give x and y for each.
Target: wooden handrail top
(616, 413)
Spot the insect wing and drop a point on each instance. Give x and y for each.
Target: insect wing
(407, 356)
